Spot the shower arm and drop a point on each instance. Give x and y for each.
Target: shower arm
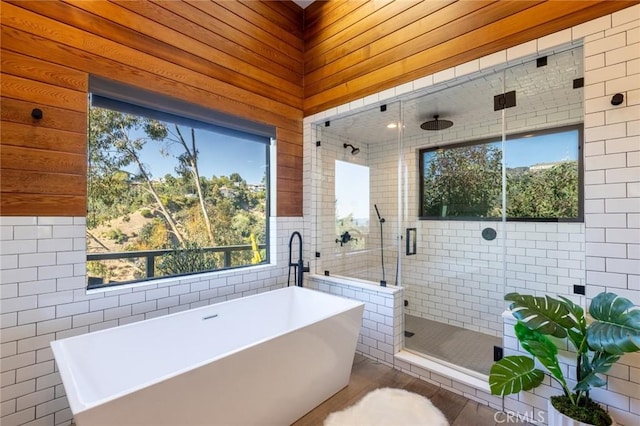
(354, 150)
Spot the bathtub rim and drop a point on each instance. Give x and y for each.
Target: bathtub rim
(77, 405)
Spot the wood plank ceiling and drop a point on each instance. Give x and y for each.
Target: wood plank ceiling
(266, 61)
(357, 48)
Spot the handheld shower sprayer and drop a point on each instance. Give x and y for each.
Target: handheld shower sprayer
(383, 281)
(381, 219)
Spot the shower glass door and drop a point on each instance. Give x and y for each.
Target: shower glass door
(453, 284)
(357, 220)
(499, 203)
(543, 161)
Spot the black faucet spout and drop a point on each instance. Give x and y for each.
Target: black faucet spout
(298, 267)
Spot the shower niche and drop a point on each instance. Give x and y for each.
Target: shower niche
(383, 175)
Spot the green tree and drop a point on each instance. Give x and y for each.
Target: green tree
(112, 149)
(152, 236)
(105, 193)
(181, 260)
(464, 182)
(188, 163)
(548, 193)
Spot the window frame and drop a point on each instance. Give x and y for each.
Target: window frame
(167, 108)
(540, 132)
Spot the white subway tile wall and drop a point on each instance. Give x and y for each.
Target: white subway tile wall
(612, 229)
(458, 278)
(381, 334)
(44, 299)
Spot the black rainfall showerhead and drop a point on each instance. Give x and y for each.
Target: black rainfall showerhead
(354, 150)
(436, 124)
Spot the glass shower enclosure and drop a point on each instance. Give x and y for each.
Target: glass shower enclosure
(459, 192)
(359, 215)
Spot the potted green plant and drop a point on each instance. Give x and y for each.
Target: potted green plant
(612, 330)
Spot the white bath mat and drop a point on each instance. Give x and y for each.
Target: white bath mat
(389, 407)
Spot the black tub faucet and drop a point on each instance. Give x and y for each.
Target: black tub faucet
(298, 267)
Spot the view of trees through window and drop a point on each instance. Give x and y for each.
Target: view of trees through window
(168, 199)
(542, 178)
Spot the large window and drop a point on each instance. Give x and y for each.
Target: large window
(543, 178)
(172, 193)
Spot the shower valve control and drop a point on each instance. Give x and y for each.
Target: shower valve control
(344, 238)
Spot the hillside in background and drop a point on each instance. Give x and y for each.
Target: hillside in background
(183, 216)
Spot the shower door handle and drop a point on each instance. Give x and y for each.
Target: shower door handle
(412, 247)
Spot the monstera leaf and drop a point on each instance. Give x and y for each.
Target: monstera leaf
(539, 345)
(616, 328)
(600, 364)
(576, 336)
(513, 374)
(543, 314)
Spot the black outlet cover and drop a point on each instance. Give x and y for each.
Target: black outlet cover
(498, 353)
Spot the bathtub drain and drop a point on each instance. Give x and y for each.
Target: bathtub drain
(210, 316)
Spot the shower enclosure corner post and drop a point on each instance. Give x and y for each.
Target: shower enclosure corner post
(312, 171)
(402, 194)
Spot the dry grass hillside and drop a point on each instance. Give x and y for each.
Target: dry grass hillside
(114, 236)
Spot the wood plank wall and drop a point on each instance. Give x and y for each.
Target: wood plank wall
(255, 59)
(355, 48)
(242, 58)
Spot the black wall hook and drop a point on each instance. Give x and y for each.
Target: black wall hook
(36, 113)
(617, 99)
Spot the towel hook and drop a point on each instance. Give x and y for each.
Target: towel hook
(36, 113)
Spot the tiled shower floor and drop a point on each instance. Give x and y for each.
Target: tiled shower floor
(466, 348)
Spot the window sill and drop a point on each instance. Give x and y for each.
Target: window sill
(168, 281)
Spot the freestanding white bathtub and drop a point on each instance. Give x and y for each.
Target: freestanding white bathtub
(266, 359)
